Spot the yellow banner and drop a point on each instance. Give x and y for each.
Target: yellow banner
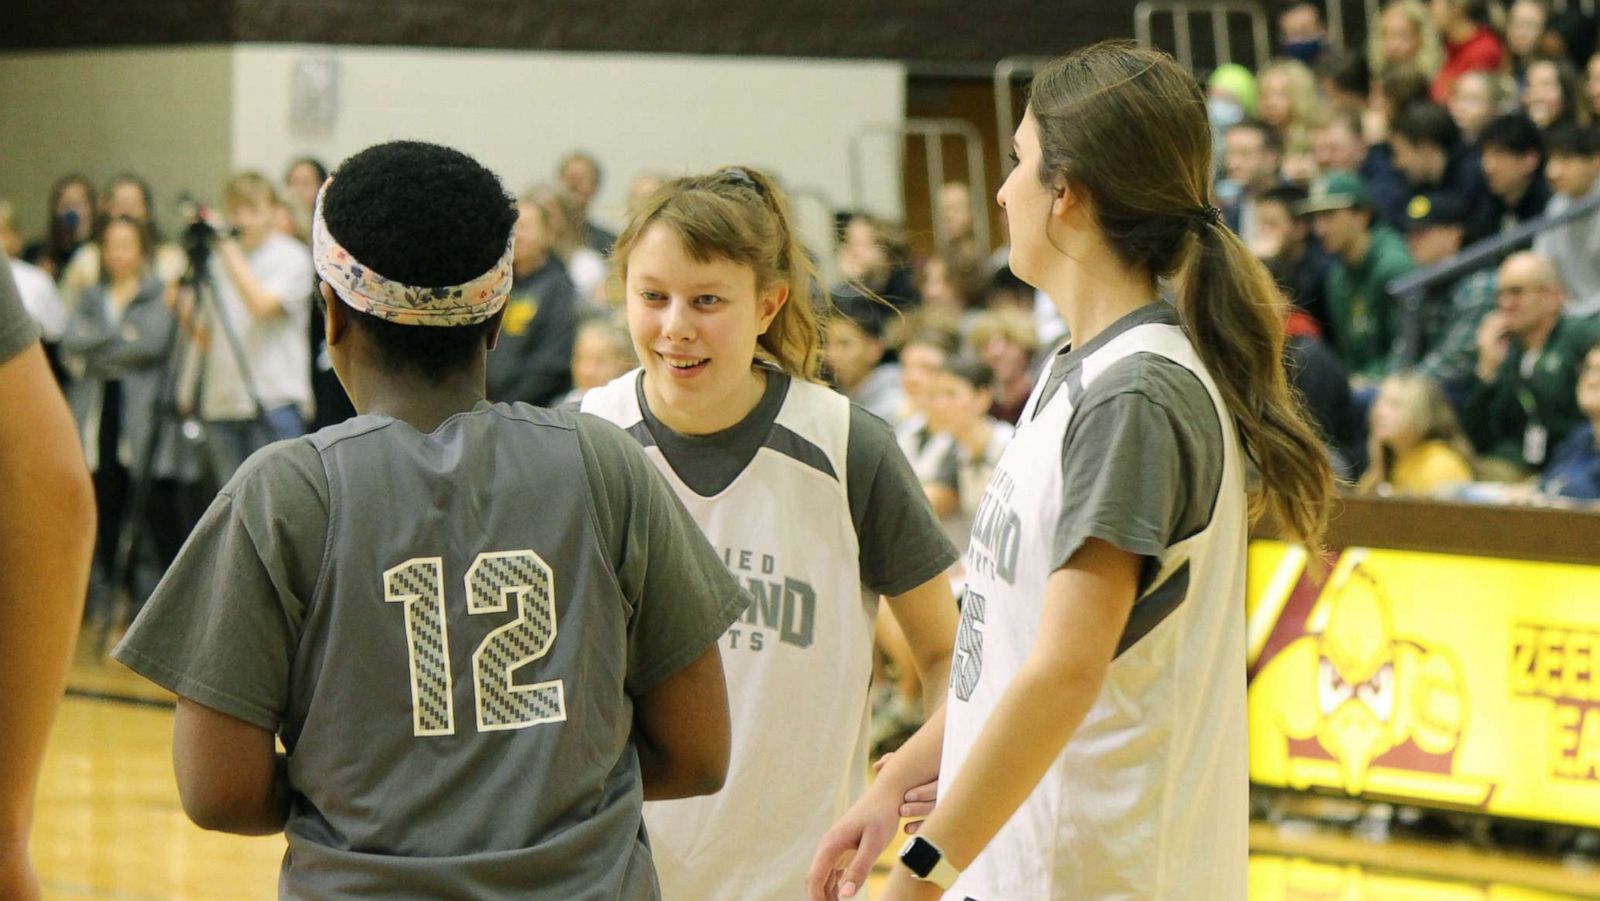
(1439, 680)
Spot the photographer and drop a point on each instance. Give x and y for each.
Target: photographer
(262, 280)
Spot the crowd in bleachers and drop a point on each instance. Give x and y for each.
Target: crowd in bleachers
(1342, 168)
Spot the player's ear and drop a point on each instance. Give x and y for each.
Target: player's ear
(335, 319)
(491, 333)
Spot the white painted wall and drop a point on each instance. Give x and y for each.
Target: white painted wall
(519, 112)
(163, 113)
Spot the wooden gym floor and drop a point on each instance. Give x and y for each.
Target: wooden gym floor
(109, 828)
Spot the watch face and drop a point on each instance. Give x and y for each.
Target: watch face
(920, 856)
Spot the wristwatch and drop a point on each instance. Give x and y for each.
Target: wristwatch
(925, 861)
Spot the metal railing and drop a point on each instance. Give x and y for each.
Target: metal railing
(1411, 290)
(932, 133)
(1182, 12)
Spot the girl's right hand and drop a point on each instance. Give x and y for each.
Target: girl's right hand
(847, 851)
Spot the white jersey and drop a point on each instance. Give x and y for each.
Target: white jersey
(797, 665)
(1149, 799)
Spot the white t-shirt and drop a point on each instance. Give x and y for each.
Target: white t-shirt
(277, 350)
(41, 299)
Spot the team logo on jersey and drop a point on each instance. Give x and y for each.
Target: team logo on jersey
(996, 531)
(782, 608)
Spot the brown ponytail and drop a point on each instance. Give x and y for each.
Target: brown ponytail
(741, 215)
(1153, 208)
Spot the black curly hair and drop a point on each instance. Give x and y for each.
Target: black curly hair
(423, 215)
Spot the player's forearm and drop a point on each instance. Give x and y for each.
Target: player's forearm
(916, 762)
(1030, 725)
(46, 539)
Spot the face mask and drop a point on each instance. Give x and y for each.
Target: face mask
(1224, 114)
(69, 220)
(1304, 51)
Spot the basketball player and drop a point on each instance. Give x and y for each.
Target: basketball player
(46, 539)
(806, 496)
(483, 633)
(1094, 743)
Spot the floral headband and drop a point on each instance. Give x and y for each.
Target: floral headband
(362, 289)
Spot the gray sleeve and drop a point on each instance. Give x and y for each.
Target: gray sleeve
(1142, 460)
(948, 473)
(17, 329)
(681, 595)
(222, 627)
(902, 543)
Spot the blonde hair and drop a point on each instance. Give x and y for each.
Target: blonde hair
(1430, 51)
(1012, 325)
(1430, 416)
(739, 214)
(1302, 85)
(249, 189)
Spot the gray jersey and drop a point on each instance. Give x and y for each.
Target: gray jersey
(447, 631)
(17, 330)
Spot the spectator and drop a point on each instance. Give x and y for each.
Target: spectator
(1591, 85)
(1337, 144)
(1522, 403)
(263, 282)
(1452, 313)
(1297, 262)
(117, 344)
(854, 352)
(1400, 88)
(585, 267)
(1230, 99)
(643, 185)
(1513, 168)
(601, 352)
(1006, 341)
(1525, 27)
(1574, 470)
(72, 214)
(1253, 155)
(579, 174)
(1405, 37)
(1287, 102)
(950, 288)
(532, 363)
(1573, 171)
(1469, 42)
(874, 261)
(1345, 79)
(39, 294)
(1366, 257)
(1429, 154)
(1476, 98)
(955, 213)
(961, 400)
(1552, 94)
(1323, 382)
(301, 182)
(1302, 33)
(1415, 444)
(921, 358)
(127, 196)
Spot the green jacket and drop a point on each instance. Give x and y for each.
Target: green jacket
(1366, 320)
(1498, 413)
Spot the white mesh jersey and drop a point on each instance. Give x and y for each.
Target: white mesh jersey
(797, 664)
(1149, 798)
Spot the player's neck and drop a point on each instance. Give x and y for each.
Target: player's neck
(1095, 292)
(418, 401)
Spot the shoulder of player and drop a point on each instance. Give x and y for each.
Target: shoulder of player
(1147, 375)
(280, 468)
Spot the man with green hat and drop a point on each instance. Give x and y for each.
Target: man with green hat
(1366, 257)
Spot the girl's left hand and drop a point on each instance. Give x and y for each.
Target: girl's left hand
(904, 887)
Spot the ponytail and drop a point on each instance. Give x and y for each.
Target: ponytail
(794, 338)
(1235, 317)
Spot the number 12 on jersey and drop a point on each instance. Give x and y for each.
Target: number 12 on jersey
(491, 582)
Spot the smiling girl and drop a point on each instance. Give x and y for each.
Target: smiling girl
(1094, 738)
(807, 497)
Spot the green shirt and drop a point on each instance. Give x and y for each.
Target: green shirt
(1499, 414)
(1366, 320)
